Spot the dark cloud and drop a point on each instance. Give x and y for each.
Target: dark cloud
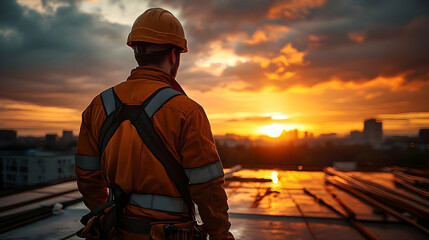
(346, 40)
(63, 57)
(67, 55)
(201, 80)
(394, 35)
(207, 21)
(250, 73)
(236, 11)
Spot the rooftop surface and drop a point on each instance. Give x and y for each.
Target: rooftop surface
(261, 207)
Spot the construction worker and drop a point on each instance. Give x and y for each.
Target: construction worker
(126, 185)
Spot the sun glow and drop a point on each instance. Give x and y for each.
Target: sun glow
(32, 119)
(274, 177)
(275, 130)
(276, 115)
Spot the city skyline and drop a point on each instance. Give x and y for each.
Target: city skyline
(318, 66)
(372, 131)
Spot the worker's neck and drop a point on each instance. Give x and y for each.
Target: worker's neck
(165, 67)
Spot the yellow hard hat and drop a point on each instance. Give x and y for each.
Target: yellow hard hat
(159, 26)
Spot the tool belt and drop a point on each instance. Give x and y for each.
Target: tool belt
(104, 222)
(162, 230)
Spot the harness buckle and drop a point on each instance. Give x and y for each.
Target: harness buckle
(171, 231)
(120, 198)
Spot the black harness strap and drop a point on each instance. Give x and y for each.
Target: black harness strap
(85, 219)
(140, 116)
(156, 145)
(112, 106)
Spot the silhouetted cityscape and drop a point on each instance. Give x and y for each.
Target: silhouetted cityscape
(33, 160)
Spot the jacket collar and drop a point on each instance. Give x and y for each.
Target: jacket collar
(156, 74)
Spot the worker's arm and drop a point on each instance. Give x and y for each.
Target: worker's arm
(202, 164)
(87, 166)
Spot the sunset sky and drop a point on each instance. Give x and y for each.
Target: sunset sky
(315, 65)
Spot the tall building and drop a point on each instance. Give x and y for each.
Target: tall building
(424, 135)
(67, 137)
(51, 139)
(373, 131)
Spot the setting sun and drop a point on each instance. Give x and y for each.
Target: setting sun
(274, 177)
(274, 130)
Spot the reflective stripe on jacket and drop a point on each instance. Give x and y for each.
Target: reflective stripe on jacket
(126, 162)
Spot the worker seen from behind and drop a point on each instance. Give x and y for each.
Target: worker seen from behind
(145, 152)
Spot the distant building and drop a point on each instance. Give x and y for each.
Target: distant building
(51, 139)
(373, 131)
(7, 137)
(357, 137)
(402, 142)
(424, 135)
(308, 135)
(289, 135)
(232, 140)
(23, 168)
(31, 141)
(328, 136)
(67, 137)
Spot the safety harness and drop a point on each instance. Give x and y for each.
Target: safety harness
(140, 117)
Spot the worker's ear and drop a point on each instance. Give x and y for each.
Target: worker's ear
(173, 57)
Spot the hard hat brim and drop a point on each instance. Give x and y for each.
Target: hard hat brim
(143, 34)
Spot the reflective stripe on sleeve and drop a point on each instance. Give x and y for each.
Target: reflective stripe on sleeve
(159, 202)
(85, 162)
(204, 173)
(159, 99)
(108, 100)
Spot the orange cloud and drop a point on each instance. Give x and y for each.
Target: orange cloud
(393, 84)
(336, 64)
(37, 120)
(293, 9)
(292, 54)
(357, 37)
(334, 106)
(276, 68)
(267, 33)
(313, 38)
(314, 41)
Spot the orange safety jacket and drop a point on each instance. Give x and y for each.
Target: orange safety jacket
(128, 163)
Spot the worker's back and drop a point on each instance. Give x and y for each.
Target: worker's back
(152, 146)
(127, 162)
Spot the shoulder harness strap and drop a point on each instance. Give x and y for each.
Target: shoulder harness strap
(117, 112)
(157, 147)
(112, 105)
(158, 99)
(110, 101)
(140, 117)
